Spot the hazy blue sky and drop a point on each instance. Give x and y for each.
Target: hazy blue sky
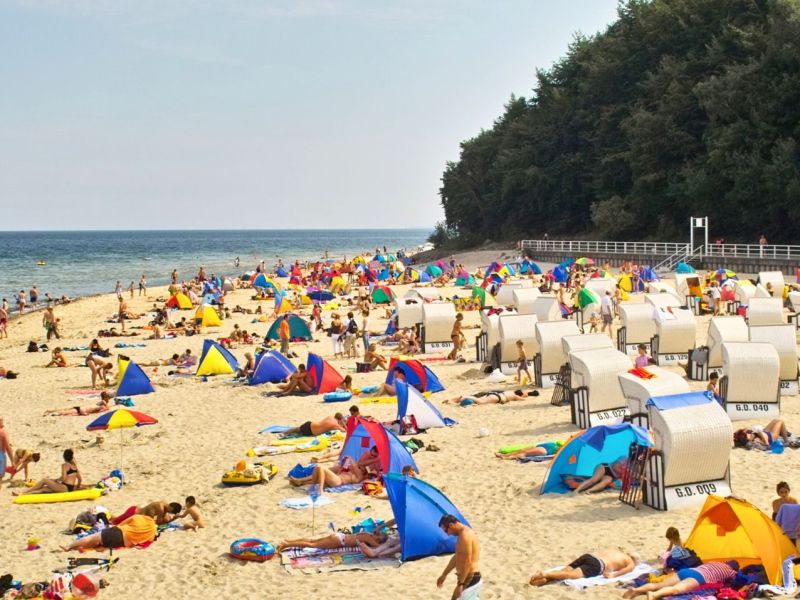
(262, 114)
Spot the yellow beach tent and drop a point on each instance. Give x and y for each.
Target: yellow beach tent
(179, 300)
(734, 529)
(215, 360)
(207, 316)
(337, 285)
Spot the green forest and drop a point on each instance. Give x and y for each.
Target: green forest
(680, 108)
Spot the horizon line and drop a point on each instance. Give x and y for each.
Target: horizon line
(220, 229)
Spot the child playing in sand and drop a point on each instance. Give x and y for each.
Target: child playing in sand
(58, 359)
(676, 550)
(191, 510)
(522, 360)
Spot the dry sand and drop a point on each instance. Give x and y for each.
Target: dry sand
(206, 427)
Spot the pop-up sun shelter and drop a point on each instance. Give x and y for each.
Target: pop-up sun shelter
(326, 378)
(272, 367)
(581, 455)
(207, 316)
(734, 529)
(417, 375)
(417, 508)
(216, 360)
(382, 295)
(132, 380)
(298, 328)
(179, 300)
(363, 434)
(411, 402)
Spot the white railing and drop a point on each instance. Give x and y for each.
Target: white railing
(581, 248)
(753, 251)
(578, 248)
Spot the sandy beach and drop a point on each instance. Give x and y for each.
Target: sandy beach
(205, 427)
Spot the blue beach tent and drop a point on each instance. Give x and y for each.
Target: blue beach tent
(684, 268)
(216, 353)
(272, 367)
(134, 381)
(363, 434)
(581, 455)
(417, 508)
(560, 274)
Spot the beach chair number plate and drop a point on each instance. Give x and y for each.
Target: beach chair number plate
(607, 417)
(438, 347)
(742, 411)
(672, 359)
(789, 387)
(678, 496)
(633, 349)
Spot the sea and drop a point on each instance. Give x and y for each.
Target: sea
(83, 263)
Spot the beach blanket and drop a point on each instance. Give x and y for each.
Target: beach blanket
(378, 400)
(328, 561)
(585, 582)
(305, 502)
(84, 392)
(125, 345)
(276, 429)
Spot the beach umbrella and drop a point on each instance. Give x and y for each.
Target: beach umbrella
(584, 261)
(121, 418)
(724, 274)
(566, 263)
(587, 297)
(684, 268)
(321, 296)
(433, 270)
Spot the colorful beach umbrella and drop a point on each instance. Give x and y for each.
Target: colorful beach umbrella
(587, 297)
(584, 261)
(121, 418)
(724, 274)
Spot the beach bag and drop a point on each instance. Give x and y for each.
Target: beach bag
(690, 562)
(352, 327)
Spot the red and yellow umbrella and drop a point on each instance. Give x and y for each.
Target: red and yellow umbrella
(120, 418)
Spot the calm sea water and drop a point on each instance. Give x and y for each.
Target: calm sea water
(80, 263)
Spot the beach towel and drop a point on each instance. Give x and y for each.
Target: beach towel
(788, 518)
(378, 400)
(125, 345)
(299, 471)
(276, 429)
(328, 561)
(585, 582)
(305, 502)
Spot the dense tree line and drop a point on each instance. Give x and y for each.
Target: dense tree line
(680, 108)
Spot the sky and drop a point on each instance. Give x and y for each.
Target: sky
(218, 114)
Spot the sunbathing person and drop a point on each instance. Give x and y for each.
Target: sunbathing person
(58, 359)
(493, 397)
(80, 411)
(69, 481)
(375, 360)
(603, 476)
(172, 361)
(135, 531)
(763, 436)
(311, 428)
(685, 580)
(345, 472)
(611, 562)
(335, 541)
(301, 381)
(543, 449)
(388, 389)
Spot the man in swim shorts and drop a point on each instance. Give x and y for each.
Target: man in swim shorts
(312, 428)
(611, 562)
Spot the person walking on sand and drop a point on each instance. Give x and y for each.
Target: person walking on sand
(143, 285)
(49, 323)
(3, 322)
(121, 313)
(118, 289)
(284, 334)
(522, 360)
(5, 449)
(464, 561)
(455, 335)
(607, 312)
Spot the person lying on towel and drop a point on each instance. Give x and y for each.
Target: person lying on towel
(611, 562)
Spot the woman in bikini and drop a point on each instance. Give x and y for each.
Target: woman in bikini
(69, 481)
(493, 397)
(335, 541)
(80, 411)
